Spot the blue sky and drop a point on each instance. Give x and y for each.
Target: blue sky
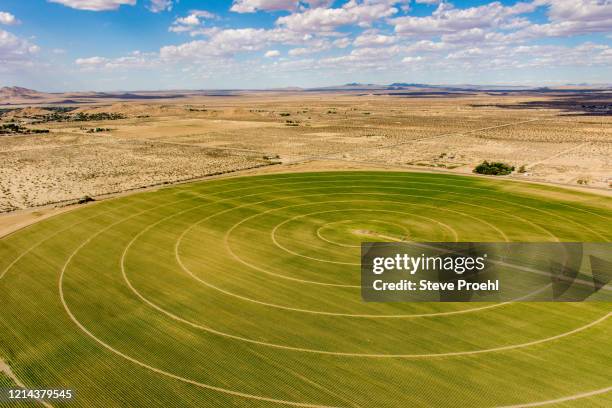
(57, 45)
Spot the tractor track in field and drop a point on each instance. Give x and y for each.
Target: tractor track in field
(6, 369)
(560, 400)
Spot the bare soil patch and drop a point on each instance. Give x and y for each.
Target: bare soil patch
(155, 142)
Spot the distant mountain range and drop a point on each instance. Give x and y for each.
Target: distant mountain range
(458, 87)
(23, 96)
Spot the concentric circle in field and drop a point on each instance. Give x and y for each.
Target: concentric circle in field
(245, 292)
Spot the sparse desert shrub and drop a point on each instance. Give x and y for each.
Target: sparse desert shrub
(582, 181)
(60, 116)
(98, 129)
(522, 169)
(493, 168)
(10, 128)
(81, 116)
(284, 114)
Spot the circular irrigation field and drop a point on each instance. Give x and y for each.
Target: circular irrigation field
(245, 292)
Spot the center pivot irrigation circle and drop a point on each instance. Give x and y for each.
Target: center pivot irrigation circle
(452, 231)
(299, 217)
(265, 271)
(365, 234)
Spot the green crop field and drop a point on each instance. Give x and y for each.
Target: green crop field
(245, 292)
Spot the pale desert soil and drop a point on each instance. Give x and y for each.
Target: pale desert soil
(186, 139)
(15, 220)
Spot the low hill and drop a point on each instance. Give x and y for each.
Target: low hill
(18, 92)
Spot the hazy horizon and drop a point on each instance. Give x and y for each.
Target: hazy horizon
(110, 45)
(331, 86)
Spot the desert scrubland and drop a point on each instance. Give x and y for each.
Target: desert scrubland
(118, 145)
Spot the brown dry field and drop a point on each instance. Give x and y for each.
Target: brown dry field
(168, 141)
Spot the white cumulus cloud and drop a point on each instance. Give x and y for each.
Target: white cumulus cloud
(362, 13)
(251, 6)
(272, 53)
(447, 19)
(409, 60)
(15, 52)
(7, 18)
(103, 5)
(572, 17)
(373, 39)
(95, 5)
(157, 6)
(192, 22)
(135, 60)
(91, 61)
(13, 47)
(228, 42)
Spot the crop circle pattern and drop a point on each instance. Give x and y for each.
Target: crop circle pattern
(225, 287)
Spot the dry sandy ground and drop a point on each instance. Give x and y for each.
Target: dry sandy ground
(189, 138)
(16, 220)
